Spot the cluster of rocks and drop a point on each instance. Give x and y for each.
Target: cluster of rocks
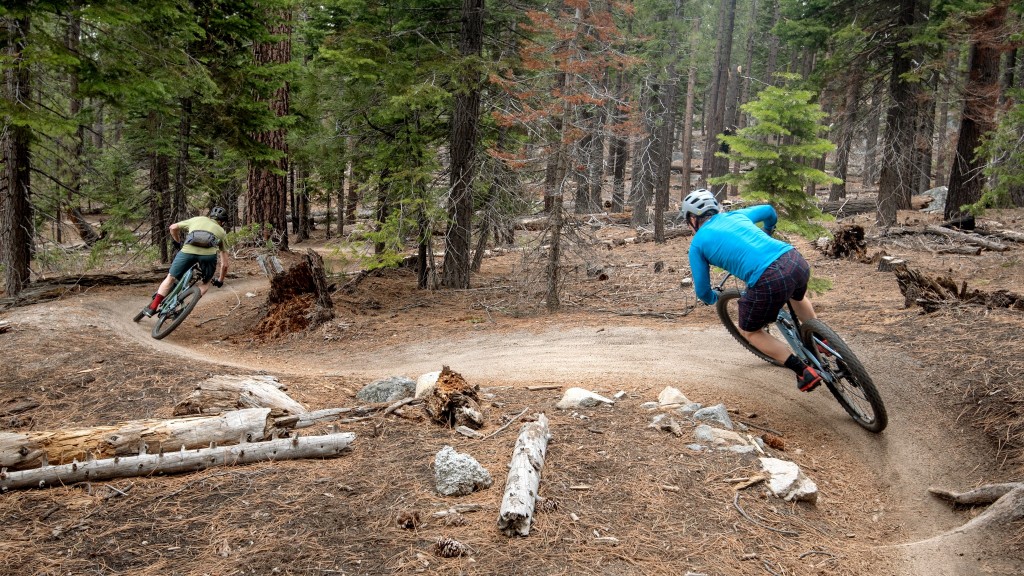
(710, 428)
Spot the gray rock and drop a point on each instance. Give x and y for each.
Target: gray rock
(716, 413)
(580, 398)
(718, 437)
(938, 203)
(787, 481)
(458, 474)
(387, 390)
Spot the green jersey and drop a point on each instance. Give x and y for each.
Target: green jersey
(196, 233)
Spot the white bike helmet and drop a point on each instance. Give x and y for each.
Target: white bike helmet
(700, 202)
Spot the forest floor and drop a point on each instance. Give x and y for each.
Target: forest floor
(670, 509)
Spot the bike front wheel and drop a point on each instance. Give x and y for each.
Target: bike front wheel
(850, 382)
(729, 313)
(167, 322)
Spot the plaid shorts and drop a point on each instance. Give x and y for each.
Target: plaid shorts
(784, 279)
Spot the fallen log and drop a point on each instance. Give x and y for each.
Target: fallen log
(520, 498)
(960, 250)
(849, 206)
(145, 464)
(47, 289)
(20, 450)
(1009, 235)
(226, 393)
(974, 239)
(299, 421)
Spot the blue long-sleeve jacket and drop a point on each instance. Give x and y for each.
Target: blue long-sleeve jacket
(732, 241)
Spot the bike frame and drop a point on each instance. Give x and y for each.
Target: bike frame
(170, 302)
(789, 326)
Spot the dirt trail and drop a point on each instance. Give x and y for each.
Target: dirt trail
(916, 451)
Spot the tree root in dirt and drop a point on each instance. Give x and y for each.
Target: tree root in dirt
(934, 293)
(1007, 504)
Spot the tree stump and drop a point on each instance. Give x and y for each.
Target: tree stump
(847, 242)
(299, 299)
(454, 402)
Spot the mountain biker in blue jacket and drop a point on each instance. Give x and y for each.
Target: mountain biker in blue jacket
(202, 239)
(773, 271)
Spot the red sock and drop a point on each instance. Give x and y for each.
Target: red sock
(157, 298)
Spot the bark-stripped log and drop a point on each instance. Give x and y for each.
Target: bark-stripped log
(179, 461)
(21, 450)
(968, 238)
(520, 499)
(226, 393)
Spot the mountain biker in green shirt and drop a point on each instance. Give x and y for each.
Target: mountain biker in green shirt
(202, 239)
(773, 271)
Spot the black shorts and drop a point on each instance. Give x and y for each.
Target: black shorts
(784, 280)
(182, 262)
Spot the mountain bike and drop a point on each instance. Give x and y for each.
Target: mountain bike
(178, 303)
(819, 346)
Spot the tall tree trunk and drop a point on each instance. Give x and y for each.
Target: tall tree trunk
(925, 136)
(691, 89)
(895, 185)
(596, 164)
(179, 204)
(583, 151)
(741, 121)
(642, 188)
(351, 193)
(712, 165)
(619, 148)
(16, 229)
(942, 155)
(771, 65)
(870, 171)
(847, 126)
(465, 130)
(267, 204)
(160, 201)
(980, 100)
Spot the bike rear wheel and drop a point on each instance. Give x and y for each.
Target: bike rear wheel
(850, 382)
(167, 322)
(729, 313)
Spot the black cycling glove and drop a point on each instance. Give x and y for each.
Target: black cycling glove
(217, 283)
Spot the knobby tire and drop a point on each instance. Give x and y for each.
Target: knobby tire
(853, 387)
(166, 323)
(728, 312)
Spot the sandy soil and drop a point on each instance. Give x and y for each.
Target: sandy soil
(87, 364)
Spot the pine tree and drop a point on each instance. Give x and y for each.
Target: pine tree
(783, 136)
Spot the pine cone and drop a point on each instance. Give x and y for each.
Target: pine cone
(774, 441)
(408, 520)
(450, 548)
